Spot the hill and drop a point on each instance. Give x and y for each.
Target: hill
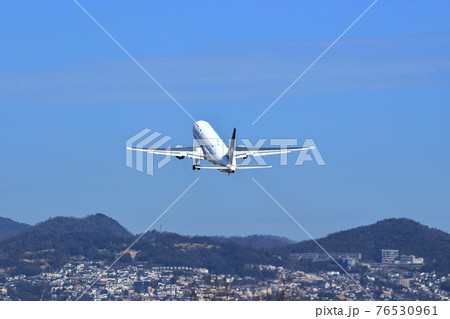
(259, 241)
(9, 228)
(98, 237)
(217, 254)
(406, 235)
(98, 223)
(55, 241)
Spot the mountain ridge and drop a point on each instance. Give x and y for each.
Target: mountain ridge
(9, 228)
(98, 237)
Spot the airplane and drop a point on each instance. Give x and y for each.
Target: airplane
(213, 149)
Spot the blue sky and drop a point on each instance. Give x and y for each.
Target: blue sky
(376, 105)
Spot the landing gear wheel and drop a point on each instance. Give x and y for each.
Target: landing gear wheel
(193, 167)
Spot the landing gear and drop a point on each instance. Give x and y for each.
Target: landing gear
(194, 167)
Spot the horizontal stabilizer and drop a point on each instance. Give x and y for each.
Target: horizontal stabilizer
(211, 166)
(252, 166)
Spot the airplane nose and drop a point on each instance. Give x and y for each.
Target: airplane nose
(200, 122)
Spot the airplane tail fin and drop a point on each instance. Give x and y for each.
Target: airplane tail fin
(232, 148)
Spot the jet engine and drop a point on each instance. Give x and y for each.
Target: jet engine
(179, 157)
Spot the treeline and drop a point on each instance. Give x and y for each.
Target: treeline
(55, 242)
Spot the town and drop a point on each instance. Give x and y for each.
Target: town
(141, 282)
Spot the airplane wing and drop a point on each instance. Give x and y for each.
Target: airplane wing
(242, 151)
(180, 152)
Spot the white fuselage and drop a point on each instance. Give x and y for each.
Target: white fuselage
(214, 149)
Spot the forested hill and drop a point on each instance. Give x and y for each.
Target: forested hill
(98, 223)
(259, 241)
(98, 237)
(406, 235)
(9, 228)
